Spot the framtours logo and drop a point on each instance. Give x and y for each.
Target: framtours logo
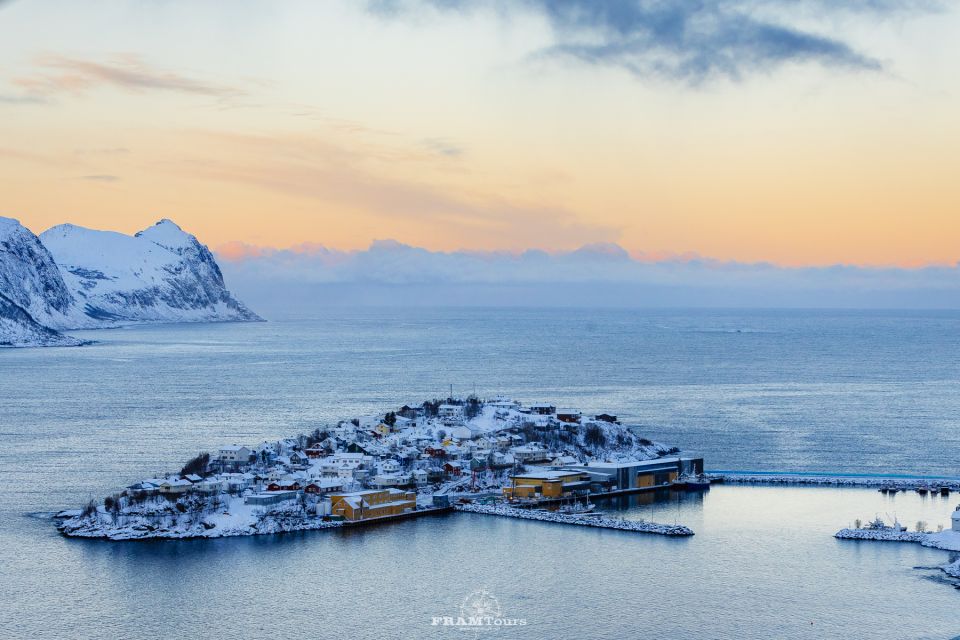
(480, 611)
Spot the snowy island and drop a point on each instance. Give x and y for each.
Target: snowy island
(494, 457)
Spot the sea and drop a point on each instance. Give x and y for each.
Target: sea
(784, 391)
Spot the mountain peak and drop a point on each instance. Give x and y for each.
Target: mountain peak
(167, 222)
(11, 226)
(168, 234)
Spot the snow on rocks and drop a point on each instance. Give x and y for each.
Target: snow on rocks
(602, 522)
(902, 484)
(946, 540)
(953, 569)
(238, 520)
(884, 535)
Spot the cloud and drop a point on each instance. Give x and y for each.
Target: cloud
(127, 71)
(689, 41)
(102, 177)
(443, 146)
(602, 274)
(22, 99)
(362, 177)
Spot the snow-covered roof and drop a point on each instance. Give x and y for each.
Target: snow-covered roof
(548, 475)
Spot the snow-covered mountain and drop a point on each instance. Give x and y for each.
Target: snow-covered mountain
(19, 329)
(76, 278)
(161, 274)
(30, 278)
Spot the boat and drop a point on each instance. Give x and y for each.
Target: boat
(695, 483)
(577, 508)
(921, 490)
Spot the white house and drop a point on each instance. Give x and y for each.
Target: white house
(234, 454)
(175, 486)
(450, 413)
(389, 466)
(956, 519)
(466, 432)
(370, 422)
(357, 458)
(388, 480)
(212, 484)
(502, 402)
(530, 453)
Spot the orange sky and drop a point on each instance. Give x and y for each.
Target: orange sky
(331, 126)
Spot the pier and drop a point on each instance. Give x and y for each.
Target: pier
(941, 486)
(601, 522)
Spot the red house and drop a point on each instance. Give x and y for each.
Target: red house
(452, 468)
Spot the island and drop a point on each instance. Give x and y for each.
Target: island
(487, 456)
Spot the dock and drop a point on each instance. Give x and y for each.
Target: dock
(601, 522)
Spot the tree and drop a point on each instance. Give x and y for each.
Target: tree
(198, 464)
(472, 408)
(390, 419)
(89, 509)
(594, 436)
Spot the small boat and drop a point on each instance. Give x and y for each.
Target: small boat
(697, 483)
(921, 490)
(577, 508)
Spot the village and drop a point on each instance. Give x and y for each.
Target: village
(404, 463)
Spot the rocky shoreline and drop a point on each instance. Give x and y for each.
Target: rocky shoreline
(902, 484)
(638, 526)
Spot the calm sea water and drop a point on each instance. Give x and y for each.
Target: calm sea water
(778, 391)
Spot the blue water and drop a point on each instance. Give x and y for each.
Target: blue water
(809, 392)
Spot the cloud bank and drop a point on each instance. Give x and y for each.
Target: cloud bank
(309, 278)
(689, 41)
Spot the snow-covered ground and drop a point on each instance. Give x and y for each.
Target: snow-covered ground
(233, 518)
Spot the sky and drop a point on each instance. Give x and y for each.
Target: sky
(788, 134)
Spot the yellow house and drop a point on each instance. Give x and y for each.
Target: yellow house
(547, 484)
(374, 503)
